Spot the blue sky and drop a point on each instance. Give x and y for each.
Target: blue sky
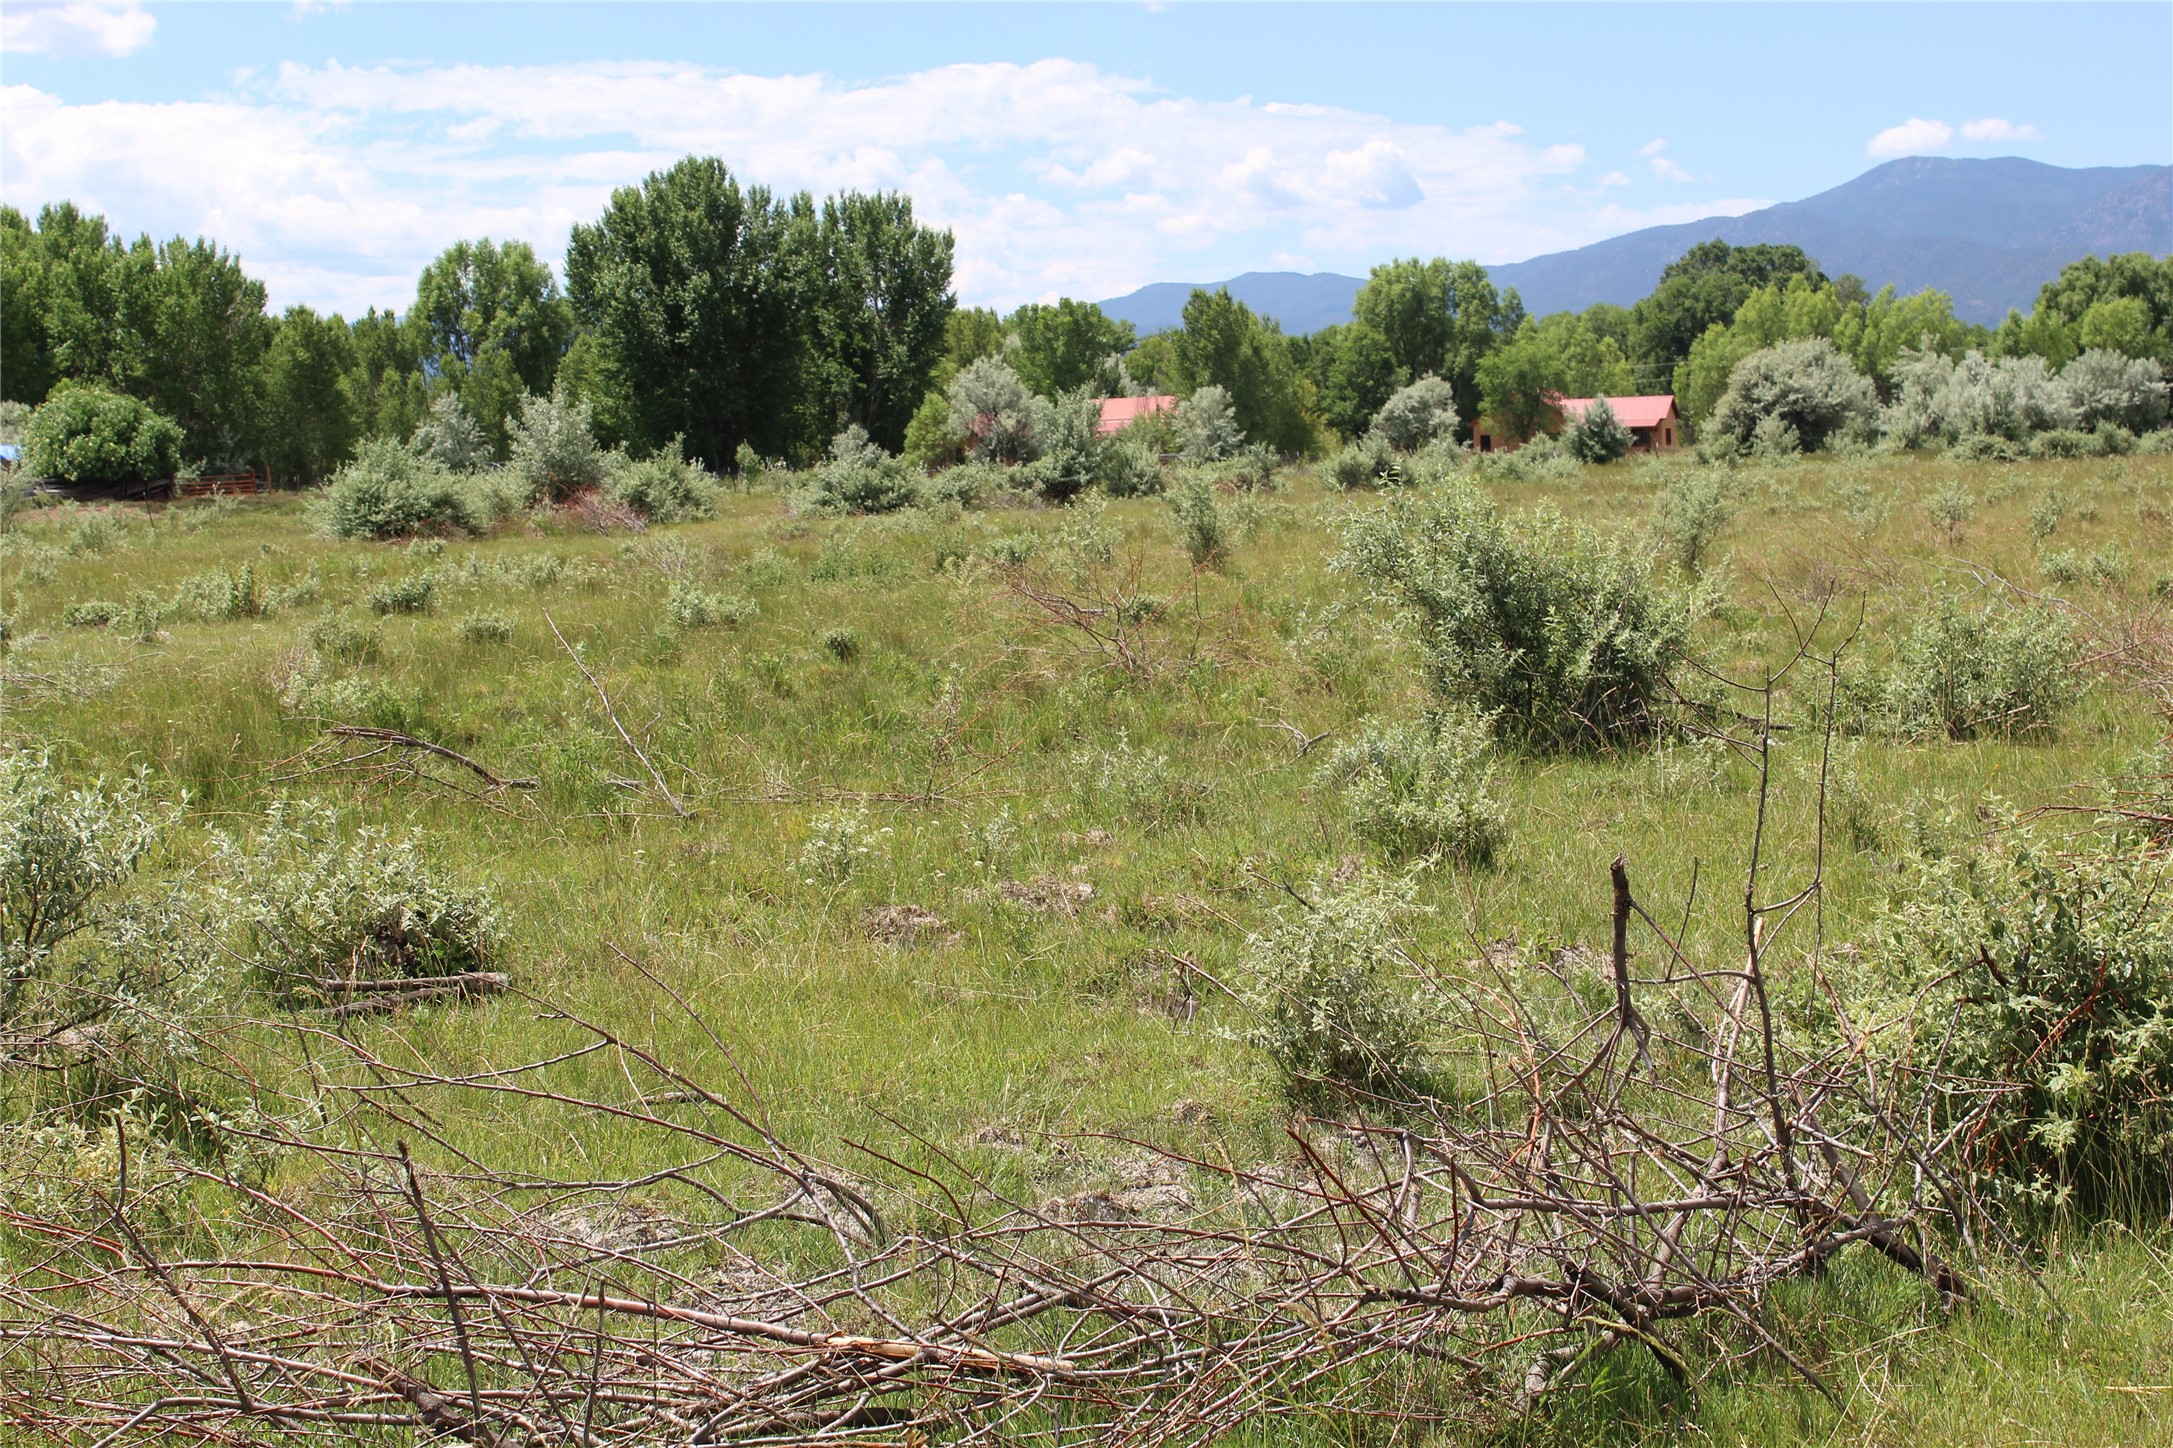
(1080, 150)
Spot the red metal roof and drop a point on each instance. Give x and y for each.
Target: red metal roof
(1634, 411)
(1120, 412)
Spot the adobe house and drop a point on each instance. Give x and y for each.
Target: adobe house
(1118, 413)
(1654, 423)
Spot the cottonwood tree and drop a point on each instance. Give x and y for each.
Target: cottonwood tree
(698, 298)
(1065, 346)
(493, 326)
(884, 310)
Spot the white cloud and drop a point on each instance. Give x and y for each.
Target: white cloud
(337, 183)
(1652, 147)
(1992, 128)
(1667, 170)
(107, 28)
(1912, 137)
(1615, 178)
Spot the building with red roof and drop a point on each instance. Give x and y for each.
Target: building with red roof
(1654, 423)
(1118, 413)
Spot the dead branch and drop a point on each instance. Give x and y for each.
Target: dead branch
(655, 775)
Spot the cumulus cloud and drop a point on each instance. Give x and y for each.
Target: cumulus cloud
(107, 28)
(1057, 177)
(1912, 137)
(1992, 128)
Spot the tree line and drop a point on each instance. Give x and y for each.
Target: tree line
(741, 322)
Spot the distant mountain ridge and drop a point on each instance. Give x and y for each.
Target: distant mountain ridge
(1987, 232)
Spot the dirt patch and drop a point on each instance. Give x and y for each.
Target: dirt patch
(1048, 894)
(905, 926)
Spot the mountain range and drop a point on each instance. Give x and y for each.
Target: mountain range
(1988, 233)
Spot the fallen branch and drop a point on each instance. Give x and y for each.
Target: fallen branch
(408, 741)
(655, 774)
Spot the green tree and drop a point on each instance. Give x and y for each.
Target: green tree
(1066, 346)
(205, 335)
(885, 310)
(1519, 383)
(969, 334)
(2082, 285)
(309, 424)
(1353, 373)
(1592, 360)
(1223, 343)
(493, 326)
(698, 298)
(385, 385)
(2118, 324)
(68, 294)
(1438, 316)
(1703, 288)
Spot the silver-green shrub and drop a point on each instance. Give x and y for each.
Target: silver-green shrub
(1962, 672)
(553, 447)
(1939, 399)
(998, 413)
(1415, 415)
(1692, 508)
(1423, 786)
(388, 490)
(665, 487)
(1361, 464)
(318, 905)
(2106, 389)
(1207, 426)
(859, 477)
(1808, 385)
(1333, 1006)
(1563, 634)
(450, 436)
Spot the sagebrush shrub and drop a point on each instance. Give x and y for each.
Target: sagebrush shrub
(484, 626)
(999, 416)
(1332, 1005)
(664, 487)
(1129, 783)
(412, 593)
(1542, 460)
(1692, 508)
(220, 594)
(1130, 467)
(1805, 385)
(448, 435)
(320, 905)
(1207, 427)
(859, 477)
(688, 605)
(388, 490)
(1415, 415)
(2040, 975)
(1564, 635)
(1361, 464)
(2106, 390)
(1962, 672)
(553, 447)
(1203, 525)
(1423, 787)
(342, 640)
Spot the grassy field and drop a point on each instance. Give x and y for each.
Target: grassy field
(898, 722)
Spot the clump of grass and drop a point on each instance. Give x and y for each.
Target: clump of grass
(340, 639)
